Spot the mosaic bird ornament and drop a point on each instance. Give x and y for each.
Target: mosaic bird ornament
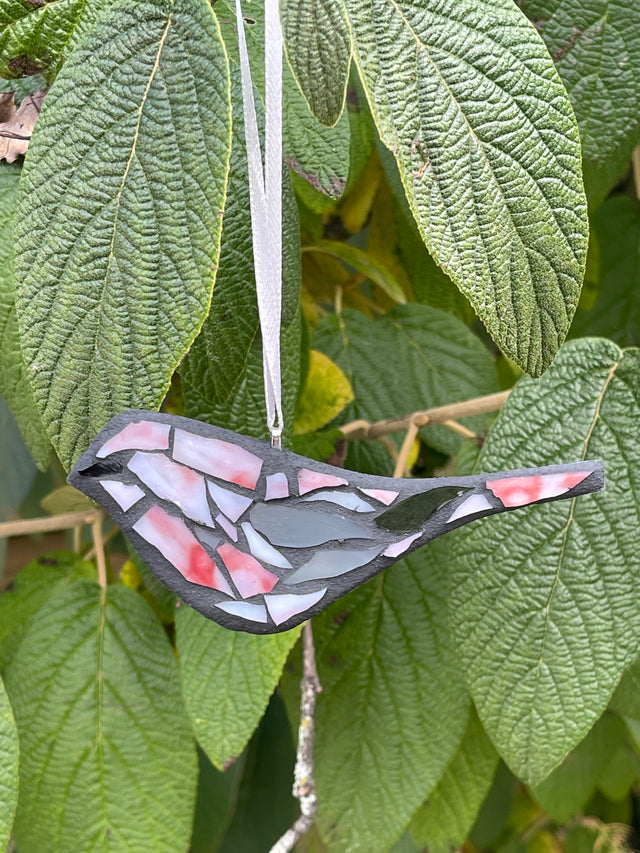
(260, 539)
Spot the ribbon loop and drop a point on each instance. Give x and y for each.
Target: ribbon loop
(265, 194)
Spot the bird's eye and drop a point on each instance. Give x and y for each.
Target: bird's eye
(99, 469)
(412, 513)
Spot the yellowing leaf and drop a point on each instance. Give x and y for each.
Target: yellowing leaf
(325, 394)
(65, 499)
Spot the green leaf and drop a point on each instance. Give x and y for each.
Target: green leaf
(34, 36)
(443, 823)
(570, 785)
(318, 45)
(596, 48)
(544, 601)
(107, 758)
(393, 705)
(8, 768)
(118, 234)
(326, 392)
(467, 98)
(216, 803)
(14, 383)
(317, 153)
(616, 313)
(265, 808)
(364, 263)
(23, 86)
(30, 590)
(229, 345)
(227, 679)
(17, 471)
(422, 357)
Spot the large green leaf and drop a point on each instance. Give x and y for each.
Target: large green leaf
(318, 45)
(14, 384)
(228, 677)
(567, 789)
(444, 821)
(8, 768)
(596, 48)
(107, 760)
(413, 358)
(616, 313)
(118, 223)
(31, 589)
(466, 96)
(216, 365)
(544, 601)
(393, 705)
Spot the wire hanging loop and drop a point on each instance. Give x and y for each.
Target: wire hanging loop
(265, 195)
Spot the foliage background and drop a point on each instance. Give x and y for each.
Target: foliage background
(483, 692)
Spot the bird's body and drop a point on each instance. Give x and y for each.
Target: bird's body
(259, 539)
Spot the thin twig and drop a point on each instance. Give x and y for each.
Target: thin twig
(304, 786)
(91, 553)
(357, 430)
(101, 563)
(405, 450)
(461, 429)
(64, 521)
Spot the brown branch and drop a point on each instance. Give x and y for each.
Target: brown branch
(64, 521)
(357, 430)
(304, 786)
(635, 161)
(101, 563)
(401, 462)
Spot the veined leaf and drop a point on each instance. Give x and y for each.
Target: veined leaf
(118, 234)
(596, 48)
(318, 45)
(228, 677)
(467, 98)
(14, 384)
(108, 760)
(414, 358)
(8, 768)
(393, 705)
(17, 470)
(32, 588)
(544, 601)
(444, 821)
(616, 313)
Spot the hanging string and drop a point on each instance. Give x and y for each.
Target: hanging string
(265, 195)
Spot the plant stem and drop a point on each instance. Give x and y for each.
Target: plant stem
(304, 786)
(64, 521)
(357, 430)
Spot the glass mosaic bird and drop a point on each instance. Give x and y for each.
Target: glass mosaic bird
(260, 539)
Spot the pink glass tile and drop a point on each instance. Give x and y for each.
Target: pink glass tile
(310, 480)
(520, 491)
(220, 459)
(277, 487)
(282, 607)
(231, 504)
(174, 483)
(124, 495)
(228, 528)
(400, 547)
(246, 572)
(253, 612)
(385, 496)
(138, 435)
(178, 545)
(473, 504)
